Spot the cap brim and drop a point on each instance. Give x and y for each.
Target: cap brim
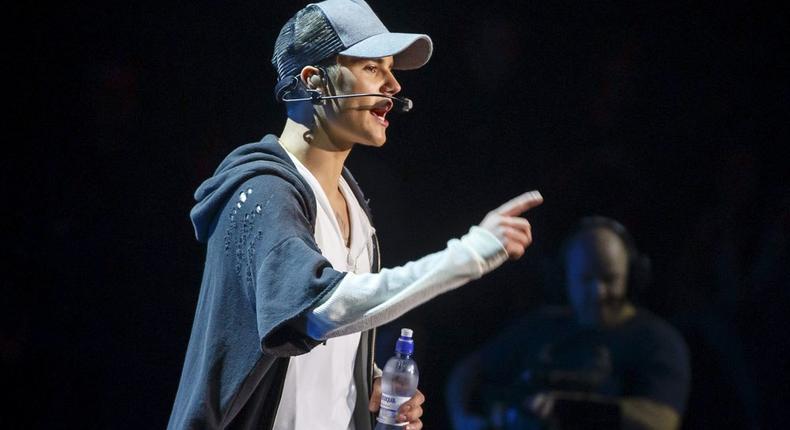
(409, 51)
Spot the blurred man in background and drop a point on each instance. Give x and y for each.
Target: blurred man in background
(601, 363)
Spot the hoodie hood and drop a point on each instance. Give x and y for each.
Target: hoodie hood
(266, 157)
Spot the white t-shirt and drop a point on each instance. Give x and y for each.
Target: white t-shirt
(319, 390)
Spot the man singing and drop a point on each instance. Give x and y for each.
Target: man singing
(292, 292)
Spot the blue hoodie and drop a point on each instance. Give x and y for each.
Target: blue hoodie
(263, 271)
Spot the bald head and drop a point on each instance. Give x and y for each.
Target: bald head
(596, 267)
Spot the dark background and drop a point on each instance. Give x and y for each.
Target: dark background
(669, 116)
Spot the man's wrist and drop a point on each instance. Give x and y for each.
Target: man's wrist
(490, 252)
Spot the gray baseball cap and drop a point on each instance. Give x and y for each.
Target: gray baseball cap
(347, 27)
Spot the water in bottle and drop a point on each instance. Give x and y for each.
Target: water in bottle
(399, 382)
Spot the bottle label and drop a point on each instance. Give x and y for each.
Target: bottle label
(388, 414)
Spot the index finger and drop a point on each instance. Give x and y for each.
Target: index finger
(520, 204)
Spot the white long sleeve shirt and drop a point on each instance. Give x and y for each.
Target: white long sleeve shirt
(319, 390)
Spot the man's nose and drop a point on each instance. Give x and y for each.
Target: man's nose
(601, 290)
(391, 85)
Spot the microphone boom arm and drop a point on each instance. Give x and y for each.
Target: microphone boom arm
(316, 97)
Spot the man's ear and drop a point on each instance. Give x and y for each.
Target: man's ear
(312, 77)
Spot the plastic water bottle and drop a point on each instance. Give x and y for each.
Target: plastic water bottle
(399, 382)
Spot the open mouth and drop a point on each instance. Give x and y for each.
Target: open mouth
(380, 112)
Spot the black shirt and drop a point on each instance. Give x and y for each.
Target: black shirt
(548, 350)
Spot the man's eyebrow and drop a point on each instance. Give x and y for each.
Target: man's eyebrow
(382, 61)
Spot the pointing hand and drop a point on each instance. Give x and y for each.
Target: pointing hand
(513, 231)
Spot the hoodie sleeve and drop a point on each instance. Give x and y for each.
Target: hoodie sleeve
(283, 269)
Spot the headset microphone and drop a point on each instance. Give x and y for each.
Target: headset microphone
(401, 104)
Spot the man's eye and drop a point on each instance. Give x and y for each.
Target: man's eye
(371, 68)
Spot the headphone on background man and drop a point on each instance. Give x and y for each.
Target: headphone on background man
(286, 86)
